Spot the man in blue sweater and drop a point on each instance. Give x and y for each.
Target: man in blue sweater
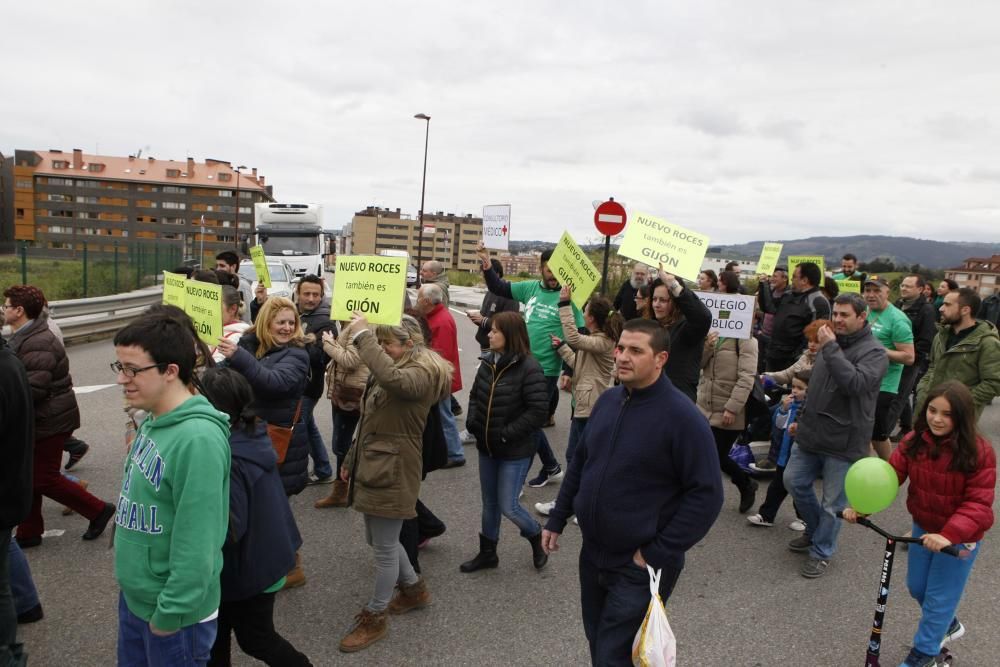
(644, 490)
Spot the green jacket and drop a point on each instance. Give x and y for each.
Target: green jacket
(975, 362)
(173, 514)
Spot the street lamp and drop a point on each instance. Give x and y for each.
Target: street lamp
(423, 188)
(236, 233)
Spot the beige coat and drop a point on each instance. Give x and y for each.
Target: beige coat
(346, 374)
(803, 363)
(592, 360)
(385, 460)
(727, 380)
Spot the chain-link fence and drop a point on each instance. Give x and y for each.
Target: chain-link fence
(93, 269)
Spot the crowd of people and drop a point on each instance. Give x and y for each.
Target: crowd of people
(222, 435)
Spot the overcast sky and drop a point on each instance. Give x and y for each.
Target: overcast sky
(742, 120)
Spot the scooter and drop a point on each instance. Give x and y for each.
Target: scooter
(875, 641)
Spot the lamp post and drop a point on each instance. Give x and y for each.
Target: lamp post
(423, 189)
(236, 233)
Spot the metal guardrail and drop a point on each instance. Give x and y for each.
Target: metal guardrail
(86, 319)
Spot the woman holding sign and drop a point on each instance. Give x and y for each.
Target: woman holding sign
(688, 320)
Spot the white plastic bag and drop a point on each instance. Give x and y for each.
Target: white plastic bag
(654, 645)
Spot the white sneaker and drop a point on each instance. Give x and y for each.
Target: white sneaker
(758, 520)
(798, 525)
(466, 437)
(545, 508)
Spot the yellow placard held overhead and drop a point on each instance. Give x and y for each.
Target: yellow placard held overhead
(372, 285)
(173, 289)
(769, 256)
(571, 266)
(849, 286)
(795, 260)
(260, 264)
(655, 241)
(203, 304)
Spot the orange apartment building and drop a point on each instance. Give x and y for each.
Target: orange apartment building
(980, 273)
(57, 201)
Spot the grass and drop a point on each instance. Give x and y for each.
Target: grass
(61, 279)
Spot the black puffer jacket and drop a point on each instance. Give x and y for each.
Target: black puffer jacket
(278, 380)
(44, 357)
(792, 313)
(17, 426)
(508, 403)
(315, 322)
(687, 336)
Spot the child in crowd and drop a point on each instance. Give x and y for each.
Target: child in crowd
(783, 434)
(952, 473)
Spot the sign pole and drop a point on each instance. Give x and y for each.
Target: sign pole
(609, 218)
(604, 273)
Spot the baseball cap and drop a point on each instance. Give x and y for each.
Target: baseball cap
(877, 280)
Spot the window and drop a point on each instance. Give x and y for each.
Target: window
(81, 199)
(95, 166)
(60, 181)
(62, 214)
(225, 193)
(244, 225)
(59, 245)
(60, 229)
(89, 231)
(174, 221)
(89, 183)
(59, 198)
(225, 177)
(173, 173)
(19, 214)
(87, 214)
(175, 189)
(174, 204)
(226, 238)
(60, 164)
(244, 209)
(244, 194)
(22, 183)
(170, 236)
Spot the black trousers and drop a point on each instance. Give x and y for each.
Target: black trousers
(776, 494)
(723, 443)
(253, 622)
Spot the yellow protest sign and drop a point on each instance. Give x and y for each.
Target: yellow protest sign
(769, 255)
(849, 286)
(260, 265)
(173, 289)
(571, 266)
(372, 285)
(818, 260)
(203, 304)
(655, 241)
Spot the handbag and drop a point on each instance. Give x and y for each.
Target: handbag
(281, 436)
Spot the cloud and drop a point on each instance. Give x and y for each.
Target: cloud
(789, 131)
(958, 127)
(713, 122)
(917, 178)
(983, 175)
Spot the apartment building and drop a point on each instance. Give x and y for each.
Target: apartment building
(61, 200)
(450, 239)
(980, 273)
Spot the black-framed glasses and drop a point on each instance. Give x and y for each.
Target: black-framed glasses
(128, 371)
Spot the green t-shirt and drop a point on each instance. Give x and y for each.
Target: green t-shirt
(541, 315)
(891, 326)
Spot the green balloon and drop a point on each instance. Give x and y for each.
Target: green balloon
(871, 485)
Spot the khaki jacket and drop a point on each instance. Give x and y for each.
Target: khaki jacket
(385, 460)
(346, 374)
(726, 380)
(592, 360)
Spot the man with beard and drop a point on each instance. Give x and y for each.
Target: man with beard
(922, 319)
(315, 313)
(625, 299)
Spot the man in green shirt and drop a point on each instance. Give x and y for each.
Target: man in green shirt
(849, 269)
(541, 316)
(173, 510)
(893, 329)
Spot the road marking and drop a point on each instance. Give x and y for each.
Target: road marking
(92, 388)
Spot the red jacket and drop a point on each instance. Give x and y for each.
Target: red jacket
(957, 505)
(444, 341)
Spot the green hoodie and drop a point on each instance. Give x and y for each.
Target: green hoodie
(172, 516)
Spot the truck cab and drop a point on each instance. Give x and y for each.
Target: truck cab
(294, 233)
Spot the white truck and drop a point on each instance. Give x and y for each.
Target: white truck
(294, 233)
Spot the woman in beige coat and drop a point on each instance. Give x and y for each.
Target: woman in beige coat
(728, 367)
(384, 465)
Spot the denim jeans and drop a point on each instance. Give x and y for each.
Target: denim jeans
(936, 581)
(545, 453)
(576, 426)
(614, 602)
(500, 482)
(455, 451)
(9, 648)
(317, 450)
(21, 584)
(822, 524)
(139, 647)
(344, 423)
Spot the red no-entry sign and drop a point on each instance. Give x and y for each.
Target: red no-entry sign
(609, 218)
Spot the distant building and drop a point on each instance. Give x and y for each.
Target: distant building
(748, 267)
(6, 204)
(980, 273)
(527, 262)
(450, 239)
(61, 200)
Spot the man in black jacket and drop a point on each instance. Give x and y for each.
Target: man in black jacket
(315, 313)
(923, 319)
(625, 299)
(792, 313)
(644, 491)
(17, 425)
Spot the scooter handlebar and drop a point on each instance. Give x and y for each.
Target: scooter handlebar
(952, 549)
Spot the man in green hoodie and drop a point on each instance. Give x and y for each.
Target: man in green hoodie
(172, 513)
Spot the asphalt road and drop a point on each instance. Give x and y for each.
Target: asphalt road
(740, 600)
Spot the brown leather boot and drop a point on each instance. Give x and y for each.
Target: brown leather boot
(296, 577)
(369, 627)
(337, 497)
(66, 511)
(410, 596)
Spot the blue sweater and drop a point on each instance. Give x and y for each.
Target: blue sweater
(645, 475)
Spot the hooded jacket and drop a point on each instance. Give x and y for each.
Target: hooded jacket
(278, 380)
(974, 361)
(45, 360)
(346, 375)
(263, 538)
(316, 322)
(16, 446)
(839, 411)
(728, 370)
(508, 403)
(592, 359)
(172, 515)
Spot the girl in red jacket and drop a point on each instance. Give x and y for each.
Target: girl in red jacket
(952, 473)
